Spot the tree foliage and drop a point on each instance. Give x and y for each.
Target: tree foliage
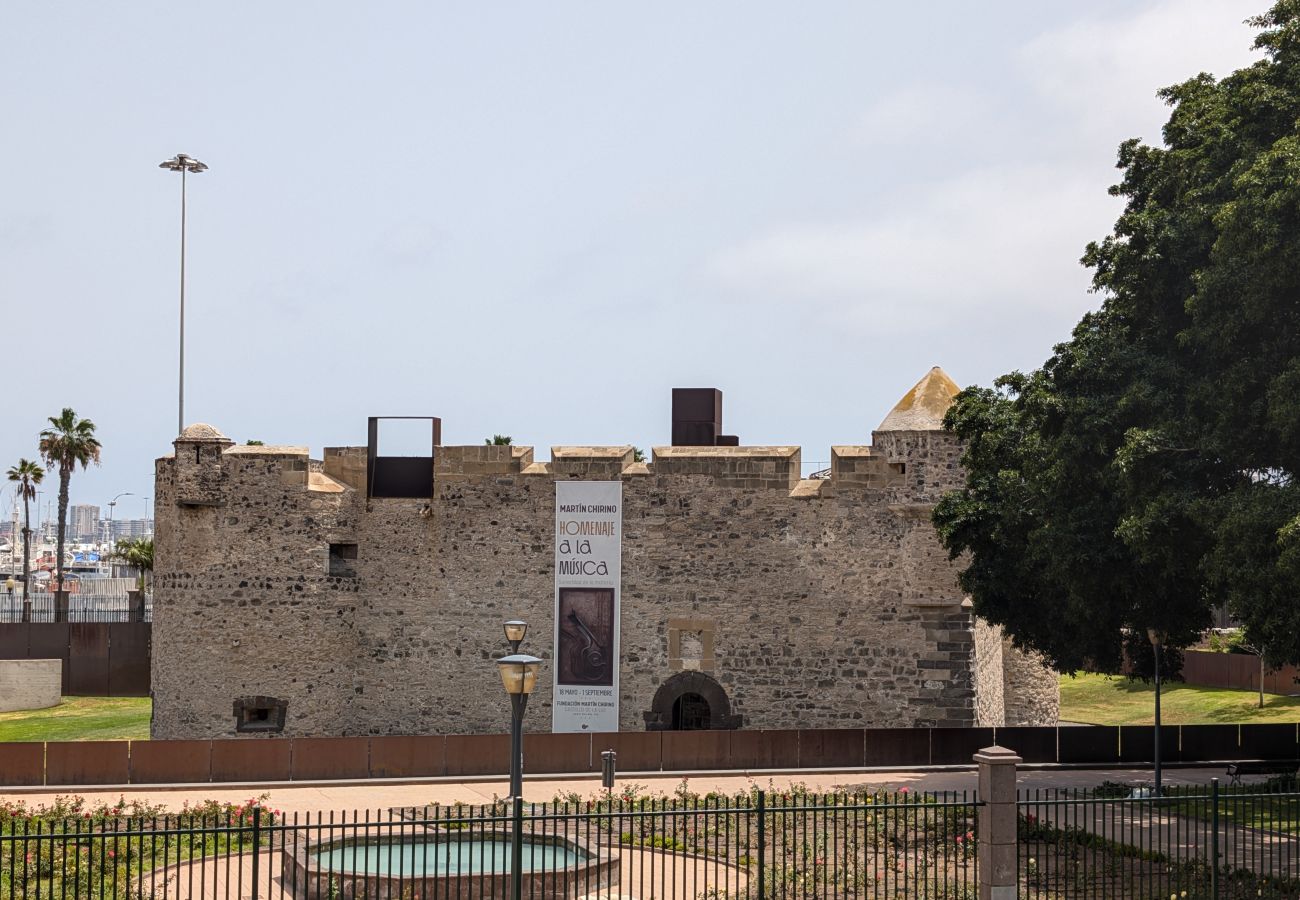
(137, 553)
(26, 476)
(1147, 471)
(68, 442)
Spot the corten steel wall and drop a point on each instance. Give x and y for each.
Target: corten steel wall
(823, 603)
(471, 756)
(1239, 671)
(100, 659)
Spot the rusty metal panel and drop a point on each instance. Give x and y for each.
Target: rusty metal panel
(831, 748)
(401, 476)
(775, 749)
(407, 757)
(956, 746)
(330, 758)
(88, 762)
(478, 754)
(129, 649)
(171, 762)
(13, 640)
(129, 646)
(22, 764)
(1033, 743)
(557, 753)
(1088, 744)
(87, 659)
(897, 747)
(638, 751)
(253, 759)
(1271, 741)
(1203, 743)
(696, 750)
(49, 640)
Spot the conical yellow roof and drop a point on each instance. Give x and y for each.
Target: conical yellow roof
(922, 408)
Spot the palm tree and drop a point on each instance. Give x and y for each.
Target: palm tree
(26, 475)
(137, 553)
(67, 443)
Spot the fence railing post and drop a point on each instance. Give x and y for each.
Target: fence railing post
(762, 846)
(517, 849)
(257, 848)
(997, 818)
(1214, 839)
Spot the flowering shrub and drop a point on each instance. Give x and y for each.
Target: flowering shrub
(103, 849)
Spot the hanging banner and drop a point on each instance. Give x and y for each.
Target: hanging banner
(588, 576)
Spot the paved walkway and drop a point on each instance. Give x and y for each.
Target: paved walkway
(383, 795)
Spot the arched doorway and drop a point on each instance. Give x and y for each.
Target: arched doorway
(690, 701)
(691, 713)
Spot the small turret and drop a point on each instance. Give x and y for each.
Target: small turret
(923, 407)
(914, 443)
(199, 473)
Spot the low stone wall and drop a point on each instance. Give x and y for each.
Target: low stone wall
(30, 683)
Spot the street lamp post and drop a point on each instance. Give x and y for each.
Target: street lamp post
(519, 675)
(1157, 639)
(108, 538)
(185, 165)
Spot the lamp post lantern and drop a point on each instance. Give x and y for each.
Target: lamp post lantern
(1157, 639)
(515, 630)
(185, 165)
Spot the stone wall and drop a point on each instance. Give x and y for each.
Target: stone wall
(990, 701)
(1032, 691)
(822, 603)
(30, 683)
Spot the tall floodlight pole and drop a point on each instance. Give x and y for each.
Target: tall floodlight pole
(185, 165)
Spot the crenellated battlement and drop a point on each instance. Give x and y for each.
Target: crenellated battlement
(205, 477)
(910, 452)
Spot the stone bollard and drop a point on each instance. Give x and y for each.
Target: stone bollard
(997, 823)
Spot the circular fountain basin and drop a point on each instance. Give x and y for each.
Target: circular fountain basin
(440, 865)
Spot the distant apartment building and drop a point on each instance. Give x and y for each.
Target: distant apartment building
(131, 528)
(83, 522)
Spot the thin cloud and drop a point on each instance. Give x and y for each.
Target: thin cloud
(991, 242)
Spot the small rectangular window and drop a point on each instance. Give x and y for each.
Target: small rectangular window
(253, 714)
(342, 561)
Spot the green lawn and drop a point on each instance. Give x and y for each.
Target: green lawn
(80, 719)
(1103, 700)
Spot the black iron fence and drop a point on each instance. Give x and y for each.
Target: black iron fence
(97, 603)
(753, 845)
(1191, 841)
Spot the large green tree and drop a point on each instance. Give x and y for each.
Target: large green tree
(26, 476)
(68, 442)
(1148, 470)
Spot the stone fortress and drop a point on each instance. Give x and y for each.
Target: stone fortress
(299, 596)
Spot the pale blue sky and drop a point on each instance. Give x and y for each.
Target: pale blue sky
(536, 219)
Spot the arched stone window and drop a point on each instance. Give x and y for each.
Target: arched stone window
(690, 700)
